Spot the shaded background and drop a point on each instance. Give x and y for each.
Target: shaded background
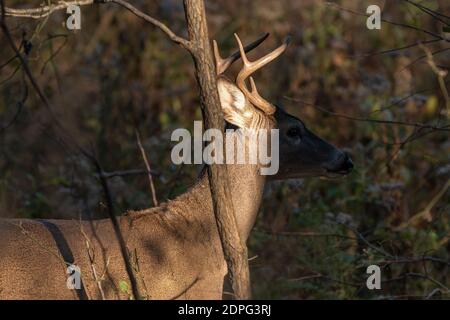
(314, 238)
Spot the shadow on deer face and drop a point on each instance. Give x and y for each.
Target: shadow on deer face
(304, 154)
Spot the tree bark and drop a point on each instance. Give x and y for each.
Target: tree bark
(234, 249)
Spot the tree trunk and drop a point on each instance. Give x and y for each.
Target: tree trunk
(235, 250)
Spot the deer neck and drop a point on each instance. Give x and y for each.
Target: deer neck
(246, 189)
(246, 185)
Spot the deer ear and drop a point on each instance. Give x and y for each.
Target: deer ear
(231, 97)
(235, 107)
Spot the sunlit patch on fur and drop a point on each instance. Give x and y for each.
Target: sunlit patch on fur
(238, 110)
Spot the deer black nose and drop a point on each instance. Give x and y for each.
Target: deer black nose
(348, 163)
(342, 164)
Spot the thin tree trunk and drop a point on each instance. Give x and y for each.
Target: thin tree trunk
(234, 248)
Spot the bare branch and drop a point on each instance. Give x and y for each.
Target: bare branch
(116, 227)
(22, 59)
(179, 40)
(434, 53)
(417, 275)
(44, 11)
(426, 212)
(363, 239)
(403, 123)
(147, 165)
(434, 14)
(319, 275)
(401, 260)
(124, 173)
(20, 105)
(304, 234)
(90, 252)
(388, 51)
(441, 74)
(435, 35)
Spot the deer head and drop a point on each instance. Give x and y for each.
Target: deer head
(302, 153)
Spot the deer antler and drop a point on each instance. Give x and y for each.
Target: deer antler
(251, 66)
(223, 64)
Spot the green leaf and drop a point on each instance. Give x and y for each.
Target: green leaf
(123, 286)
(431, 105)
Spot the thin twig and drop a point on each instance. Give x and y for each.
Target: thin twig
(325, 277)
(147, 165)
(304, 234)
(20, 105)
(433, 293)
(98, 280)
(363, 239)
(23, 61)
(435, 35)
(409, 46)
(430, 12)
(441, 74)
(116, 227)
(124, 173)
(401, 260)
(179, 40)
(28, 234)
(389, 122)
(417, 275)
(426, 212)
(44, 11)
(54, 53)
(434, 53)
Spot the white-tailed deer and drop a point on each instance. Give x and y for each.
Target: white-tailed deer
(175, 248)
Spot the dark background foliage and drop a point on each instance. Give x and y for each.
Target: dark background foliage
(314, 238)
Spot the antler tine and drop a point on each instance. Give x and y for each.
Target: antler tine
(250, 67)
(219, 61)
(223, 64)
(259, 101)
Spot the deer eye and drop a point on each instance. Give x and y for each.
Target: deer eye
(294, 132)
